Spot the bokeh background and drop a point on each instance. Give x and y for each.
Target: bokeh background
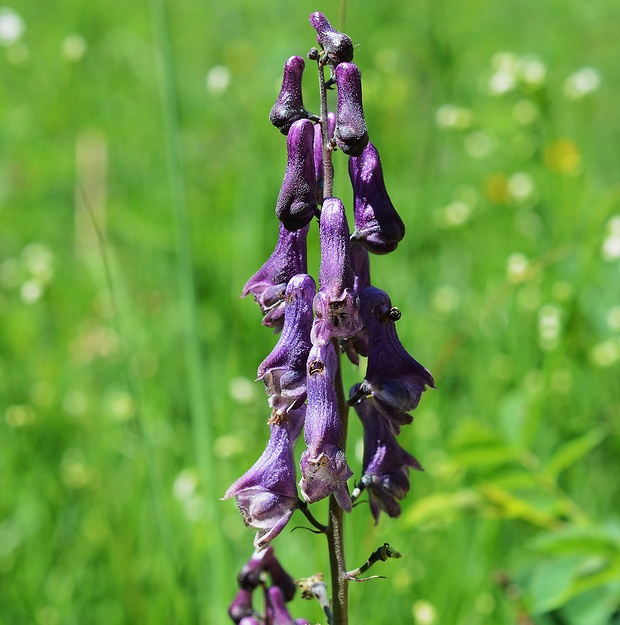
(138, 178)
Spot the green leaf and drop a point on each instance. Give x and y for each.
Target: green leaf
(440, 508)
(550, 583)
(578, 540)
(574, 450)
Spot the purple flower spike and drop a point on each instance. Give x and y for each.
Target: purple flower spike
(277, 612)
(297, 202)
(318, 152)
(336, 45)
(377, 224)
(394, 379)
(251, 620)
(323, 464)
(289, 106)
(351, 134)
(268, 284)
(250, 575)
(267, 495)
(336, 306)
(241, 607)
(279, 577)
(386, 464)
(284, 370)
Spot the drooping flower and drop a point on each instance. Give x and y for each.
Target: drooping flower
(336, 306)
(289, 106)
(276, 610)
(266, 494)
(241, 607)
(337, 46)
(324, 467)
(297, 201)
(284, 370)
(268, 284)
(385, 466)
(378, 226)
(351, 133)
(279, 577)
(250, 576)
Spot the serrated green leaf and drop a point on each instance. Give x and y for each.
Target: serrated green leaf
(574, 450)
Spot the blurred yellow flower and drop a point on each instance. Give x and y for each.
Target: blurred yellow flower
(563, 156)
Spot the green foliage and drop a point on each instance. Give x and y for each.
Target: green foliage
(127, 360)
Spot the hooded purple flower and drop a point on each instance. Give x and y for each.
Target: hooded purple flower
(241, 607)
(351, 134)
(394, 379)
(337, 46)
(297, 201)
(268, 284)
(266, 494)
(284, 370)
(318, 152)
(386, 464)
(323, 464)
(276, 610)
(251, 620)
(279, 577)
(377, 224)
(289, 106)
(336, 306)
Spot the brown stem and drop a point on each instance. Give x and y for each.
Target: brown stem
(328, 169)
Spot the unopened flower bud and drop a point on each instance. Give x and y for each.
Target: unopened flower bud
(241, 607)
(338, 46)
(289, 106)
(351, 134)
(279, 577)
(276, 611)
(377, 224)
(297, 202)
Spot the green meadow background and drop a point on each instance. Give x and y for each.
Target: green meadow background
(138, 178)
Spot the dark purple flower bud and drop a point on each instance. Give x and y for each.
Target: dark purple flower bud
(336, 45)
(279, 577)
(393, 378)
(266, 494)
(276, 610)
(268, 284)
(336, 306)
(251, 620)
(385, 465)
(351, 134)
(250, 575)
(241, 607)
(323, 464)
(377, 224)
(284, 370)
(289, 106)
(297, 202)
(318, 152)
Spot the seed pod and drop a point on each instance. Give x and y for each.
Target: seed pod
(351, 134)
(289, 106)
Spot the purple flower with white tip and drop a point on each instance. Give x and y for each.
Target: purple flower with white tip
(393, 377)
(267, 494)
(251, 620)
(276, 611)
(336, 305)
(289, 106)
(297, 201)
(377, 224)
(241, 606)
(284, 370)
(385, 466)
(351, 133)
(268, 284)
(337, 46)
(324, 467)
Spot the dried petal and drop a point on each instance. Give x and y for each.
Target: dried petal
(351, 134)
(289, 106)
(377, 224)
(284, 370)
(268, 284)
(336, 306)
(297, 201)
(323, 464)
(336, 45)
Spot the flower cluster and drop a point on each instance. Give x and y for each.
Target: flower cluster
(345, 314)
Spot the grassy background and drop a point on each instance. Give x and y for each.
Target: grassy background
(127, 405)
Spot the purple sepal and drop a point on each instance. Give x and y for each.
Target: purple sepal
(266, 494)
(318, 152)
(351, 133)
(279, 577)
(276, 611)
(393, 377)
(289, 106)
(297, 201)
(338, 46)
(336, 305)
(249, 577)
(284, 370)
(324, 467)
(241, 606)
(385, 466)
(268, 284)
(378, 226)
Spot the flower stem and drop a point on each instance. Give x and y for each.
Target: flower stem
(328, 169)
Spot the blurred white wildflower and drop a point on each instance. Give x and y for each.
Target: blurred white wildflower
(581, 83)
(613, 318)
(605, 353)
(505, 74)
(229, 445)
(12, 27)
(525, 112)
(454, 214)
(242, 389)
(450, 116)
(120, 404)
(39, 260)
(611, 244)
(218, 79)
(30, 291)
(517, 267)
(424, 612)
(74, 47)
(549, 326)
(478, 144)
(185, 484)
(521, 187)
(445, 299)
(532, 71)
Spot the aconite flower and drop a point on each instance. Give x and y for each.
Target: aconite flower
(289, 106)
(337, 46)
(351, 133)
